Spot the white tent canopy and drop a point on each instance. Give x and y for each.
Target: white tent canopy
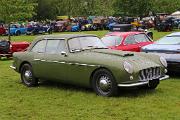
(177, 13)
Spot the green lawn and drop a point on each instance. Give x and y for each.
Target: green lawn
(53, 101)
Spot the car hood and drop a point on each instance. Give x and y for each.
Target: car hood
(116, 58)
(161, 48)
(114, 52)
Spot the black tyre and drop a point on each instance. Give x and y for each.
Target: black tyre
(18, 33)
(27, 76)
(104, 83)
(151, 85)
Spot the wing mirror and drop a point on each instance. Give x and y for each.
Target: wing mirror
(63, 53)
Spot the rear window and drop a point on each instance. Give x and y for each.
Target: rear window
(169, 40)
(112, 40)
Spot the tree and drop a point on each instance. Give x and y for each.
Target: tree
(166, 6)
(133, 7)
(15, 10)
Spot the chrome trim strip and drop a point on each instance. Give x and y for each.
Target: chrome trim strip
(55, 61)
(37, 59)
(164, 78)
(13, 67)
(61, 62)
(133, 84)
(92, 65)
(83, 64)
(141, 83)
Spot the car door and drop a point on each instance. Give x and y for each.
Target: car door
(38, 62)
(56, 65)
(129, 44)
(77, 67)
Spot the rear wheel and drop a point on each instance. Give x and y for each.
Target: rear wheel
(27, 76)
(104, 83)
(18, 33)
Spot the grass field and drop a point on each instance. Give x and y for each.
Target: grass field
(52, 101)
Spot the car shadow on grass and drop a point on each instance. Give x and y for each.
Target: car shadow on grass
(122, 92)
(175, 75)
(136, 92)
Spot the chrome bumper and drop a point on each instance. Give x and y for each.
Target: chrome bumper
(12, 67)
(141, 83)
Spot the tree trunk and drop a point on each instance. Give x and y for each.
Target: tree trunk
(9, 34)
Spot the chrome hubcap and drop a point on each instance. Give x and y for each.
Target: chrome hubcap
(27, 76)
(104, 83)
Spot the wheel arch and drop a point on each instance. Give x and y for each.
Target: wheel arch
(17, 31)
(24, 62)
(91, 76)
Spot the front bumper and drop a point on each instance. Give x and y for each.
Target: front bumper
(12, 67)
(141, 83)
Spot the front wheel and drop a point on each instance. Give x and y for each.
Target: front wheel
(151, 85)
(27, 76)
(104, 83)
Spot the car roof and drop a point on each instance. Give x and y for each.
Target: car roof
(60, 36)
(63, 36)
(174, 34)
(123, 33)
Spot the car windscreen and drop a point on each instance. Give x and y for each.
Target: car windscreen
(112, 40)
(141, 38)
(169, 40)
(83, 43)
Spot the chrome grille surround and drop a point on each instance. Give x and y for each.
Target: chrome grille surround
(149, 74)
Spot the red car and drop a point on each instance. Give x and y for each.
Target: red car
(126, 41)
(2, 30)
(7, 48)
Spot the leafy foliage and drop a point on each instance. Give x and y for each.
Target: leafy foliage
(48, 9)
(14, 10)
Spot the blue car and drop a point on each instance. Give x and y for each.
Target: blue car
(169, 48)
(38, 29)
(17, 30)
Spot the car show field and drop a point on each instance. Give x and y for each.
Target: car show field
(52, 100)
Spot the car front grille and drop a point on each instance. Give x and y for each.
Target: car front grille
(149, 74)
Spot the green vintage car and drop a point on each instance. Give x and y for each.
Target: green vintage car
(82, 59)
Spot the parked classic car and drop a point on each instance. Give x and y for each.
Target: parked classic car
(7, 48)
(169, 48)
(126, 41)
(2, 30)
(38, 29)
(16, 29)
(83, 60)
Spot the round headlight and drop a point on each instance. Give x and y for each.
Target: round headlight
(163, 61)
(128, 67)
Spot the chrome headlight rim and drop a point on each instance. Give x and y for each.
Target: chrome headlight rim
(163, 61)
(128, 67)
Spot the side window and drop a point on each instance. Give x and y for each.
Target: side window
(52, 46)
(39, 47)
(62, 46)
(130, 40)
(74, 44)
(118, 40)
